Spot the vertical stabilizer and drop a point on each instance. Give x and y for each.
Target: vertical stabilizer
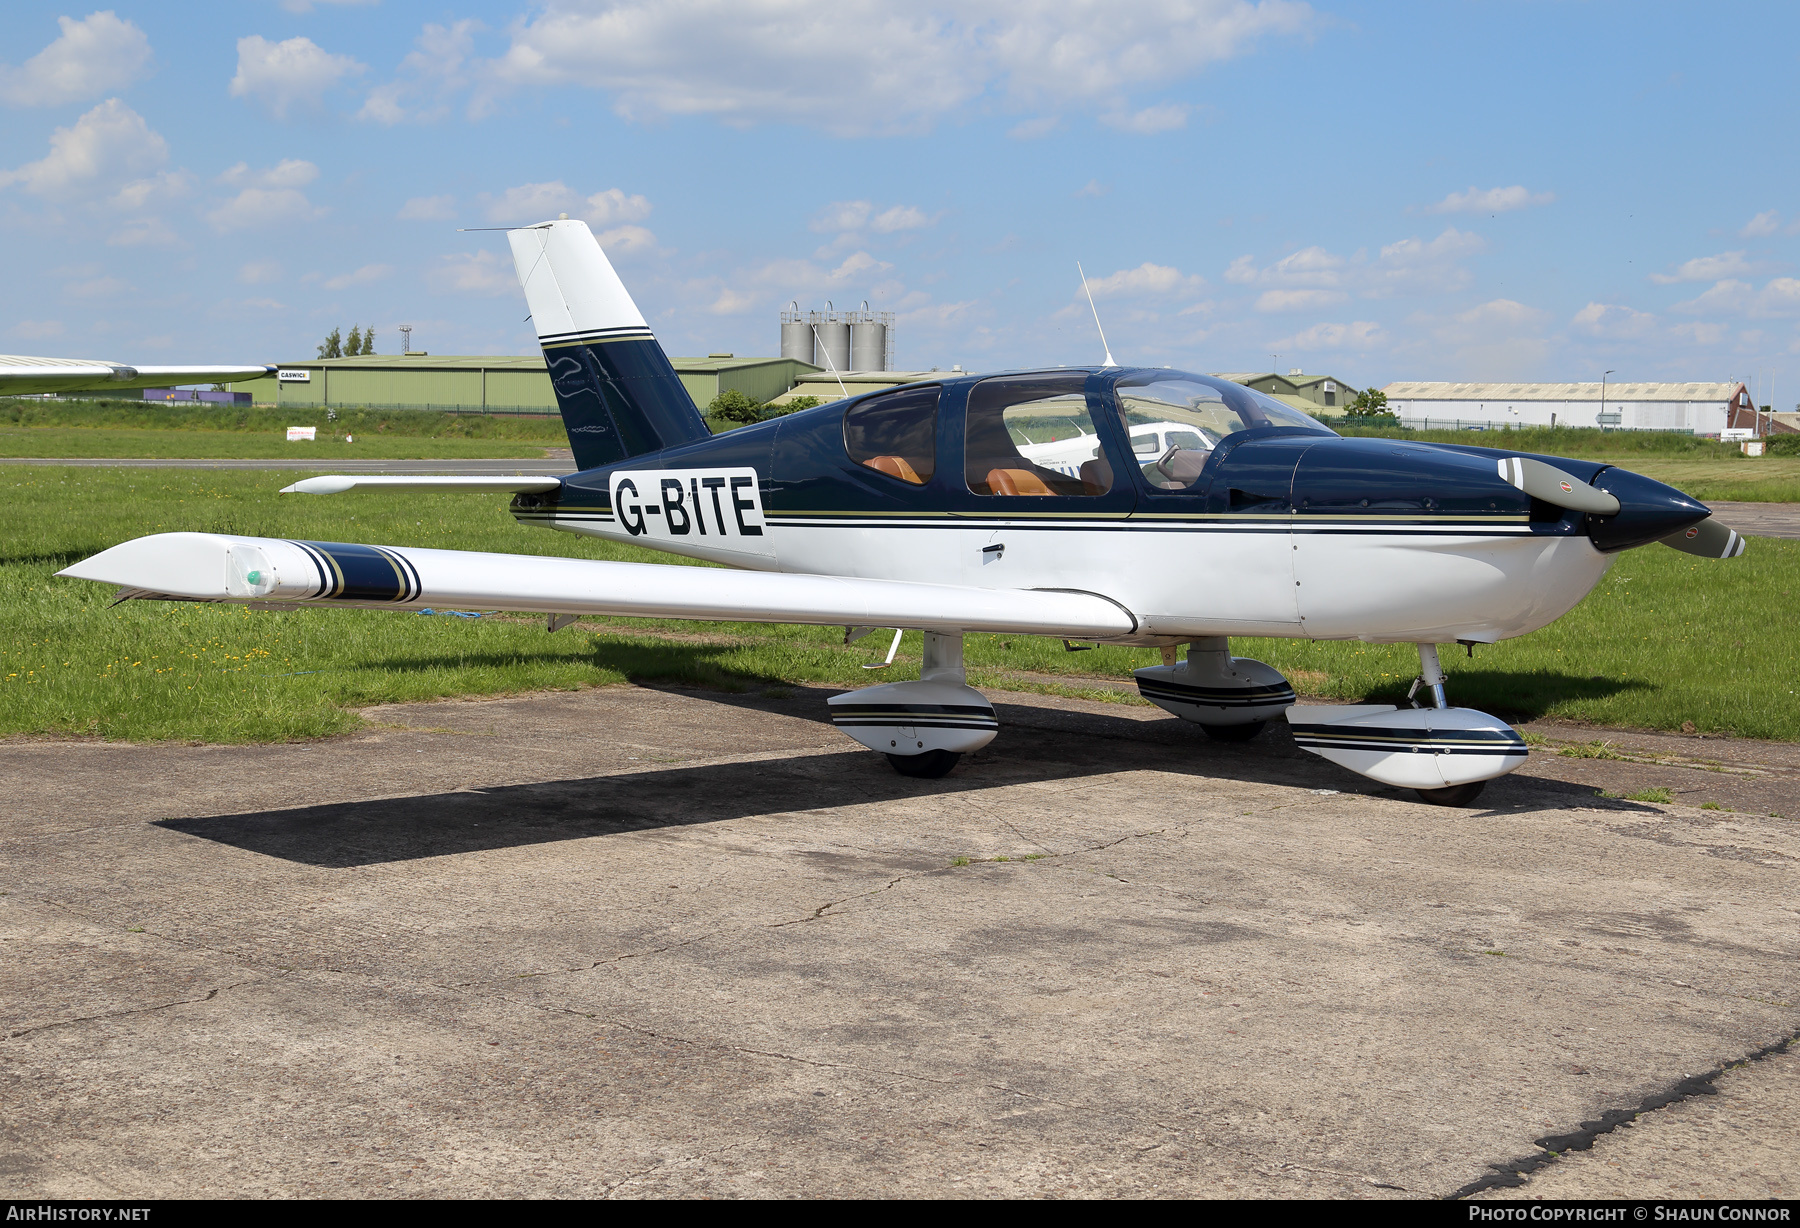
(618, 394)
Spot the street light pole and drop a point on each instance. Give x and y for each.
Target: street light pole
(1603, 401)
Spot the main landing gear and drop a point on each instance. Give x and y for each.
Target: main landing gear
(1231, 698)
(923, 727)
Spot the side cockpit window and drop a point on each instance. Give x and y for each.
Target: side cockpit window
(1033, 435)
(895, 433)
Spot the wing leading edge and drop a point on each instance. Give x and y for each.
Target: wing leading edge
(217, 567)
(20, 375)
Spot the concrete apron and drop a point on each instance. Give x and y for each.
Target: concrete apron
(657, 942)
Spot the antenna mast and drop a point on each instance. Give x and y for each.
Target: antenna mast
(1090, 298)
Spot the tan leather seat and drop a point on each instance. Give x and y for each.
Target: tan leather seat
(1016, 482)
(895, 467)
(1096, 476)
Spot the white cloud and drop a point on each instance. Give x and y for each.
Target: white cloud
(108, 146)
(1146, 279)
(37, 330)
(361, 277)
(731, 303)
(429, 76)
(306, 6)
(624, 240)
(860, 66)
(287, 173)
(257, 272)
(96, 55)
(848, 219)
(1613, 322)
(1762, 225)
(1491, 200)
(1780, 297)
(612, 205)
(1032, 129)
(900, 217)
(842, 215)
(537, 202)
(1707, 268)
(270, 196)
(1356, 335)
(1163, 117)
(480, 272)
(143, 232)
(291, 74)
(97, 288)
(164, 185)
(1497, 340)
(1093, 187)
(1298, 300)
(1411, 266)
(428, 209)
(1415, 266)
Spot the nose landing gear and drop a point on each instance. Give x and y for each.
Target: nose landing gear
(1444, 754)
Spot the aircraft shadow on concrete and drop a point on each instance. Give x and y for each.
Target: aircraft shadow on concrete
(1035, 745)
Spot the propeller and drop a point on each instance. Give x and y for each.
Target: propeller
(1552, 485)
(1709, 539)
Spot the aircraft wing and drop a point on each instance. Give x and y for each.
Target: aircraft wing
(217, 567)
(20, 374)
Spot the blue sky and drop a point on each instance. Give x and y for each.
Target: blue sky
(1380, 191)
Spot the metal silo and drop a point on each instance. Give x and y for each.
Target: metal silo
(797, 335)
(868, 345)
(833, 332)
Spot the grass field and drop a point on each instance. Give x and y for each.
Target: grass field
(55, 441)
(1665, 639)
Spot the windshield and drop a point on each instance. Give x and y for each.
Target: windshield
(1175, 419)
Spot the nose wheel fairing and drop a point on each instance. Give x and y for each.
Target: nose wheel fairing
(1410, 748)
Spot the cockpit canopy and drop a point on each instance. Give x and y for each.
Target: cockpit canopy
(1038, 434)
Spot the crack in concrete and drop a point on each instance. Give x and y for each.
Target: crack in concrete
(142, 1010)
(1514, 1173)
(599, 963)
(1331, 1172)
(662, 1164)
(822, 909)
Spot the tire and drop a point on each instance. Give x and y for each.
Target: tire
(1455, 795)
(928, 766)
(1234, 733)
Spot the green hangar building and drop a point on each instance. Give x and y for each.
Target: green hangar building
(495, 384)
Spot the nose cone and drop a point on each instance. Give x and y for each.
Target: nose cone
(1648, 511)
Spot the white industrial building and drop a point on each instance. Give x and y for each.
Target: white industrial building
(1701, 409)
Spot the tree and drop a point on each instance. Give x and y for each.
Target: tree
(1369, 403)
(369, 340)
(333, 347)
(353, 343)
(735, 406)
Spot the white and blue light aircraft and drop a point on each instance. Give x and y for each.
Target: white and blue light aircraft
(1097, 504)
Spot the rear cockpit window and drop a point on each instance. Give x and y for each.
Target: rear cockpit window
(1033, 435)
(895, 433)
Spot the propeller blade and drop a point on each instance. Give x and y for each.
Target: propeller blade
(1552, 485)
(1709, 539)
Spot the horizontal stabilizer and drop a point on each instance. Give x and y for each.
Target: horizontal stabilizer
(338, 483)
(217, 567)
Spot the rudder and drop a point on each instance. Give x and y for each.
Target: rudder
(618, 394)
